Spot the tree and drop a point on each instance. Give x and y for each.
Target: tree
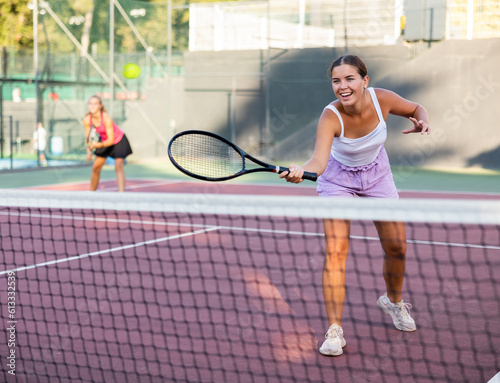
(86, 7)
(88, 21)
(16, 20)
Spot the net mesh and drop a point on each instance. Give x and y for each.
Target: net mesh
(218, 288)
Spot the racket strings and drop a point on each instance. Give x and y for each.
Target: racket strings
(94, 136)
(206, 156)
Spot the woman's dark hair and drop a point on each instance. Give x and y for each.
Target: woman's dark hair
(351, 60)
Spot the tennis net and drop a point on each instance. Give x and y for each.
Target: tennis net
(140, 287)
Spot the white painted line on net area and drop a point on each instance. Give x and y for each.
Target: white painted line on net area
(495, 379)
(107, 251)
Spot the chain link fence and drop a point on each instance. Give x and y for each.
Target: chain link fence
(80, 48)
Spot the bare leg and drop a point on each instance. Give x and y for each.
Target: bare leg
(393, 238)
(120, 173)
(337, 248)
(96, 172)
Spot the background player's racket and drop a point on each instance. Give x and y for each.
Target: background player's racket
(92, 137)
(210, 157)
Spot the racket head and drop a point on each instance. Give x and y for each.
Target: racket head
(93, 137)
(206, 156)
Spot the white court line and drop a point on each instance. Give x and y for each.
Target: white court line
(162, 182)
(444, 192)
(106, 220)
(130, 187)
(235, 228)
(434, 243)
(158, 223)
(495, 379)
(63, 184)
(158, 182)
(100, 252)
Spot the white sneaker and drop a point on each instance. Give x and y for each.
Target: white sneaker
(334, 341)
(398, 312)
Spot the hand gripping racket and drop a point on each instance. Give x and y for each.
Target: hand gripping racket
(210, 157)
(92, 137)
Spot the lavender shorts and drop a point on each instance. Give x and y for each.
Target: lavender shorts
(373, 180)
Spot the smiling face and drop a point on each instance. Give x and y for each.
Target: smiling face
(347, 84)
(95, 105)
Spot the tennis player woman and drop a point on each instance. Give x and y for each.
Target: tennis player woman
(350, 157)
(113, 143)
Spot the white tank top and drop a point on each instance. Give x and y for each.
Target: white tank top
(363, 150)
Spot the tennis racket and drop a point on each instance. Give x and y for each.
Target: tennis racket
(92, 137)
(210, 157)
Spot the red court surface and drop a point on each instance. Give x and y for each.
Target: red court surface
(182, 186)
(136, 298)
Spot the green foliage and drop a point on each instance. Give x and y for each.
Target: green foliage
(16, 21)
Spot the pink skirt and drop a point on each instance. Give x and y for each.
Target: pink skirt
(373, 180)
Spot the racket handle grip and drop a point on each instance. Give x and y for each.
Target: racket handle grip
(307, 175)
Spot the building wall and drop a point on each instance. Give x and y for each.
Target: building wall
(226, 92)
(457, 81)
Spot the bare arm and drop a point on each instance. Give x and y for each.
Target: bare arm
(110, 132)
(420, 121)
(86, 125)
(328, 128)
(394, 104)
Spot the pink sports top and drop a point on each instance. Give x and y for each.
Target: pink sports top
(363, 150)
(118, 133)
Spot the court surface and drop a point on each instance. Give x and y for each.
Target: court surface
(247, 335)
